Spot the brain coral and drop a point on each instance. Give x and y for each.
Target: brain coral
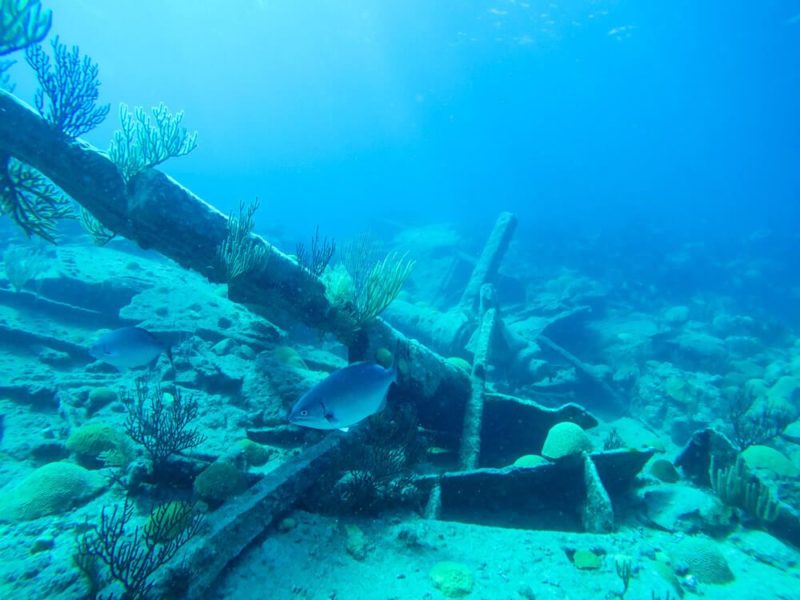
(782, 397)
(92, 441)
(52, 489)
(565, 439)
(769, 459)
(530, 460)
(218, 482)
(703, 558)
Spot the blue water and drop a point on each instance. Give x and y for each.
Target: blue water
(589, 115)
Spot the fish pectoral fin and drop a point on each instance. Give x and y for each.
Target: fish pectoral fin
(328, 414)
(345, 429)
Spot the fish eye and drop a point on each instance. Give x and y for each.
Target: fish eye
(304, 413)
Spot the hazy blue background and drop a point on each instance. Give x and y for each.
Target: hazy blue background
(576, 114)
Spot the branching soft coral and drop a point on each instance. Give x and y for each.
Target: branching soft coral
(5, 79)
(240, 252)
(160, 424)
(146, 141)
(132, 557)
(368, 283)
(69, 89)
(31, 200)
(22, 23)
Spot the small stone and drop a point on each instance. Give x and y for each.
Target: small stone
(100, 397)
(225, 347)
(43, 543)
(453, 579)
(587, 560)
(286, 525)
(356, 544)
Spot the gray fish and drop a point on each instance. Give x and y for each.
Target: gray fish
(344, 398)
(129, 347)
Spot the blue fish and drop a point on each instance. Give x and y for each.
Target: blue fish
(345, 397)
(2, 427)
(129, 347)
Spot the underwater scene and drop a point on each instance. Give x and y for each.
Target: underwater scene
(355, 300)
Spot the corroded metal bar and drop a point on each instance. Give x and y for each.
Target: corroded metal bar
(237, 523)
(157, 212)
(488, 331)
(489, 262)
